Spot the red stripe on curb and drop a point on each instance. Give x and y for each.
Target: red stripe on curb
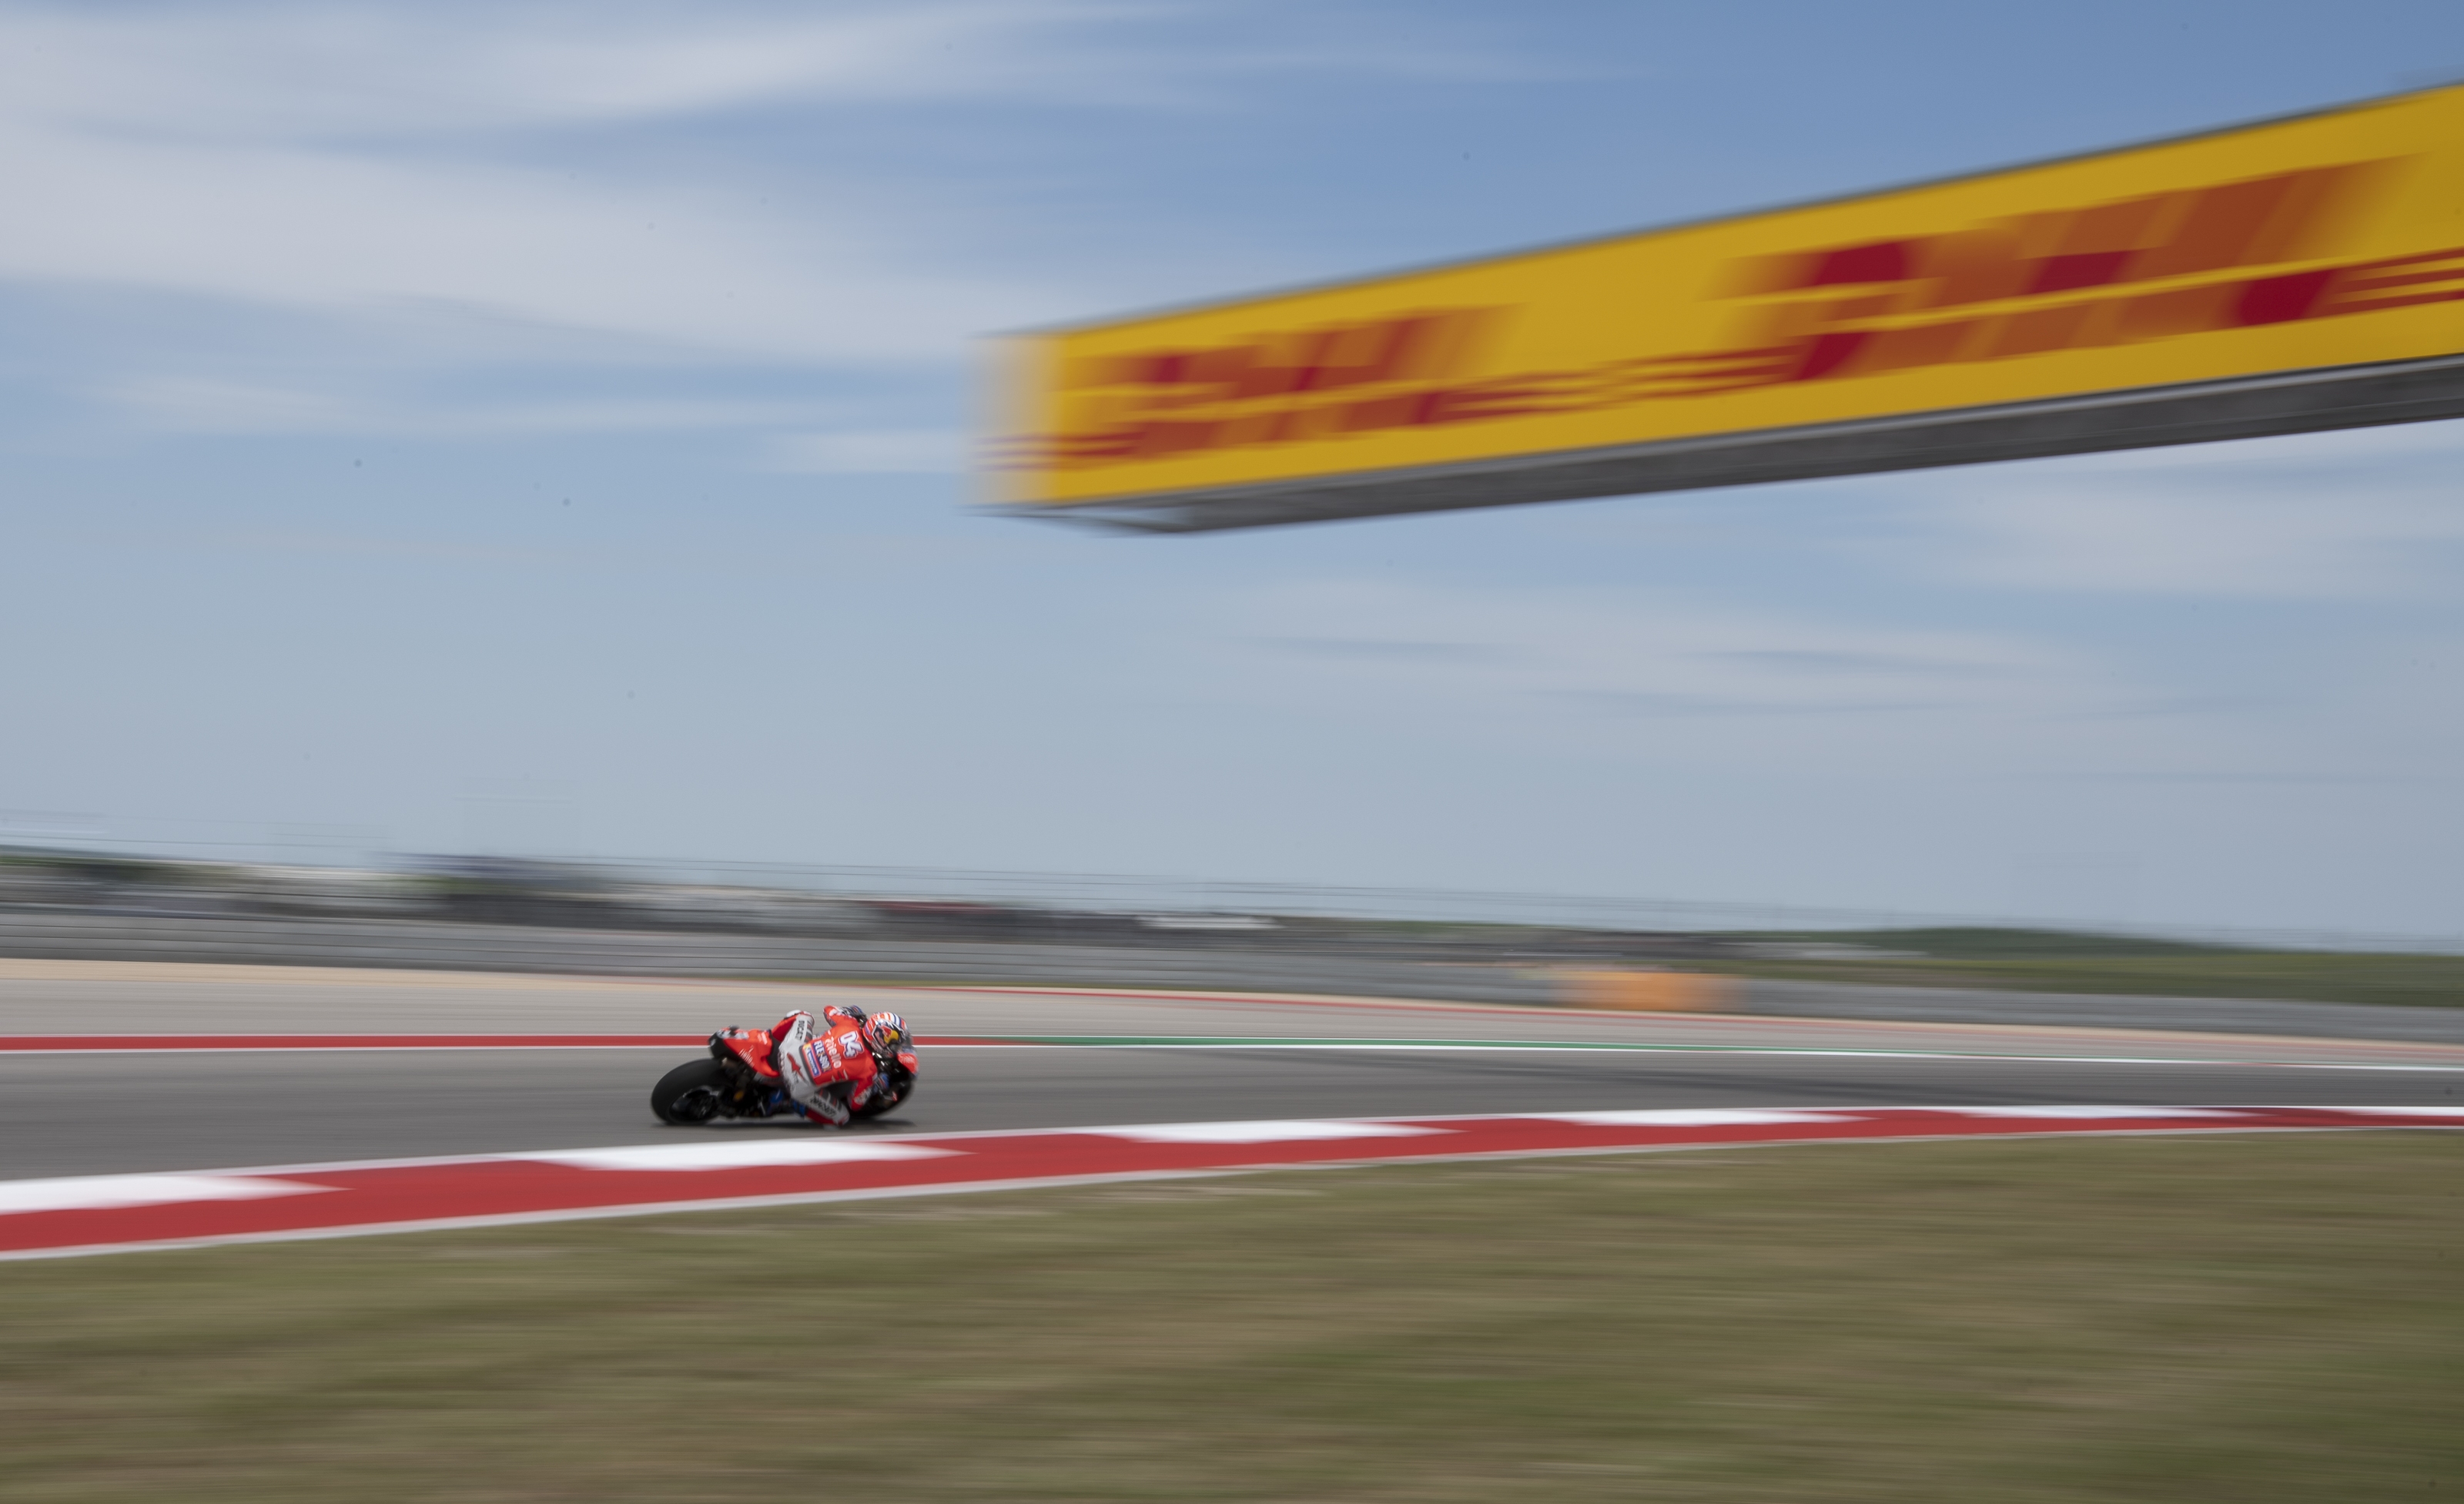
(85, 1043)
(92, 1214)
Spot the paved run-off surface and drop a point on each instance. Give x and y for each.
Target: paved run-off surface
(65, 997)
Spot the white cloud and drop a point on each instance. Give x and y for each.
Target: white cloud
(278, 72)
(1654, 654)
(209, 406)
(880, 451)
(332, 160)
(666, 264)
(2340, 448)
(2349, 515)
(450, 185)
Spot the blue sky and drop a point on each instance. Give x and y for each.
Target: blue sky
(541, 428)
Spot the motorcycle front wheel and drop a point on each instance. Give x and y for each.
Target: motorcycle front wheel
(689, 1092)
(902, 1090)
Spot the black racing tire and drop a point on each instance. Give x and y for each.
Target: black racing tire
(689, 1092)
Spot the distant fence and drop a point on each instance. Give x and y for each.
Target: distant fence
(635, 894)
(431, 945)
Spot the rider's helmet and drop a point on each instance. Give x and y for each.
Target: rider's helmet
(886, 1033)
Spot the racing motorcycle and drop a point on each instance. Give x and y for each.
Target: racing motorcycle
(738, 1082)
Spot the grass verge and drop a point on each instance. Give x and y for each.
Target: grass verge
(2219, 1318)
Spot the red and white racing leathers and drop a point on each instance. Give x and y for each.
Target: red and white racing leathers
(827, 1066)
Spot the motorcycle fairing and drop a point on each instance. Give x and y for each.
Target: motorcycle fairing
(750, 1046)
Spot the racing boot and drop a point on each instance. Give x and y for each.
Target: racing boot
(828, 1105)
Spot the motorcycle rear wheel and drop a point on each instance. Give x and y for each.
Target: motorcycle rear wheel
(690, 1094)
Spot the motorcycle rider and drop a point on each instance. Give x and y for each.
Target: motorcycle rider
(832, 1065)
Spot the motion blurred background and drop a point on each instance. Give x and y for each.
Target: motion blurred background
(487, 489)
(531, 433)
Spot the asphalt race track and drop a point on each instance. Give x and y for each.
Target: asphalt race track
(64, 1113)
(107, 1114)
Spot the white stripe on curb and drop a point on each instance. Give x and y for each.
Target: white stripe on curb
(107, 1192)
(1687, 1118)
(1290, 1130)
(2086, 1113)
(757, 1155)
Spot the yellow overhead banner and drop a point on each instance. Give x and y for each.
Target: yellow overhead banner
(2331, 243)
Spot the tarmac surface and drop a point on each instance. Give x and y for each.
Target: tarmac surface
(1127, 1059)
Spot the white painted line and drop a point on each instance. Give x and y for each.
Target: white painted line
(104, 1192)
(1375, 1046)
(757, 1155)
(1290, 1130)
(258, 1054)
(1687, 1118)
(1397, 1046)
(2455, 1112)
